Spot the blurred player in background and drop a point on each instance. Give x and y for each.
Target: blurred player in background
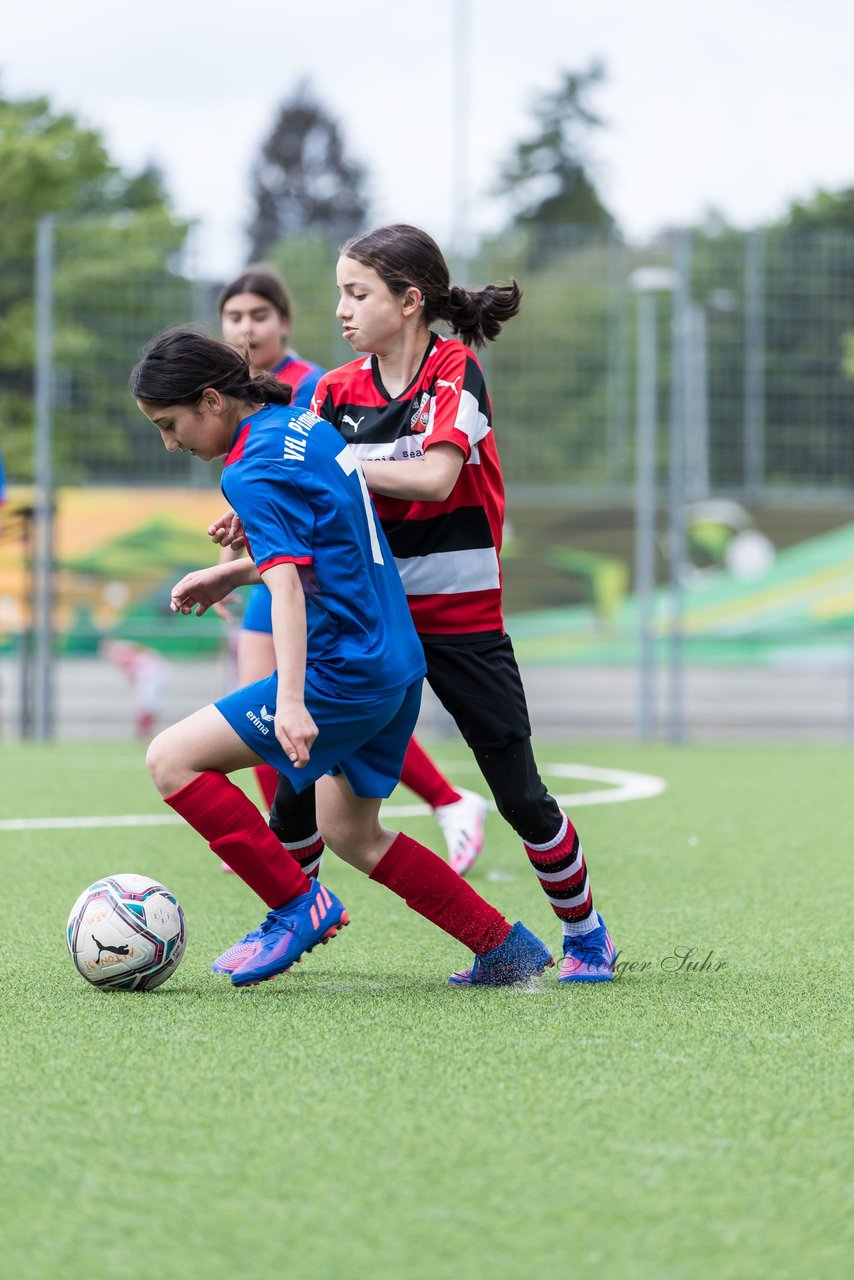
(256, 316)
(340, 707)
(145, 669)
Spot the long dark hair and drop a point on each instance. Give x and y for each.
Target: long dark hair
(403, 256)
(178, 365)
(261, 279)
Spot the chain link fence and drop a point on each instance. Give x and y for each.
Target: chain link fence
(674, 425)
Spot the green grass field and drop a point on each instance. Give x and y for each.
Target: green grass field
(359, 1118)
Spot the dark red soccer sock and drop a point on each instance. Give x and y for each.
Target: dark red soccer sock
(236, 831)
(268, 781)
(430, 887)
(562, 873)
(420, 774)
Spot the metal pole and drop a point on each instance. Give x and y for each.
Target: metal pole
(754, 364)
(460, 229)
(677, 539)
(645, 510)
(618, 363)
(697, 402)
(42, 717)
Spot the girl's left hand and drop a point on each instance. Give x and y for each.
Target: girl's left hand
(296, 731)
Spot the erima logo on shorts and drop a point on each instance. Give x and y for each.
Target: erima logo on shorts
(259, 724)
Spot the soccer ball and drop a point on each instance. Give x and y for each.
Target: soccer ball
(126, 933)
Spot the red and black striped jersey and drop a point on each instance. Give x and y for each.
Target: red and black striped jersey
(447, 552)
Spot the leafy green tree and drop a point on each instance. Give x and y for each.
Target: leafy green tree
(548, 178)
(303, 182)
(307, 264)
(806, 300)
(548, 373)
(114, 238)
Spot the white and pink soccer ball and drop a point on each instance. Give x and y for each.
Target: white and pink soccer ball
(126, 933)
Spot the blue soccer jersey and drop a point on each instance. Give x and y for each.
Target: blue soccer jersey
(302, 499)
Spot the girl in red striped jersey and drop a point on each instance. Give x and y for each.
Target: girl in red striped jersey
(415, 409)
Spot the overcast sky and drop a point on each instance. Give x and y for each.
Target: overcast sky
(740, 105)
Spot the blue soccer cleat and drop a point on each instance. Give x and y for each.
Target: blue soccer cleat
(288, 933)
(234, 957)
(588, 957)
(522, 955)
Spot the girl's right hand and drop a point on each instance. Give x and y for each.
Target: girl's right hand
(227, 531)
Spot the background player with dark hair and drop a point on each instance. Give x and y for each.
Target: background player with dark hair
(340, 707)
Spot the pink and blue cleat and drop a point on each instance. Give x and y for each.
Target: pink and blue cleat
(462, 826)
(522, 955)
(588, 957)
(284, 937)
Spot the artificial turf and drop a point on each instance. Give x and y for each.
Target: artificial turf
(359, 1118)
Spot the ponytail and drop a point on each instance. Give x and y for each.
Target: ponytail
(477, 315)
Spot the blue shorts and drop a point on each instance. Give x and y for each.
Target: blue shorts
(257, 615)
(366, 741)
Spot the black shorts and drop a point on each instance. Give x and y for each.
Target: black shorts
(477, 681)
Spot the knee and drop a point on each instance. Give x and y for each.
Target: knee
(528, 809)
(360, 848)
(162, 763)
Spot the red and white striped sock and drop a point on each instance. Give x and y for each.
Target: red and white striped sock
(562, 873)
(308, 853)
(420, 774)
(236, 831)
(429, 886)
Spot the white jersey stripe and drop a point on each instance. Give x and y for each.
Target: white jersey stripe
(446, 573)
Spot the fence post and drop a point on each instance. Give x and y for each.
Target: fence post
(754, 364)
(43, 522)
(676, 533)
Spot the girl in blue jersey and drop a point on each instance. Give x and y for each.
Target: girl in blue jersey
(340, 707)
(256, 315)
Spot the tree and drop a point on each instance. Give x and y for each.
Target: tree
(803, 284)
(548, 176)
(114, 232)
(302, 181)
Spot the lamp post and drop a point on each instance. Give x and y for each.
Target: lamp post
(43, 532)
(647, 283)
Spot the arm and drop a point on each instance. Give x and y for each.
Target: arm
(226, 555)
(200, 590)
(295, 728)
(429, 479)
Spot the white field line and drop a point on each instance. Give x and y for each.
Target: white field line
(622, 785)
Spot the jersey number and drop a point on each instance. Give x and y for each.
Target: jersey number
(348, 462)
